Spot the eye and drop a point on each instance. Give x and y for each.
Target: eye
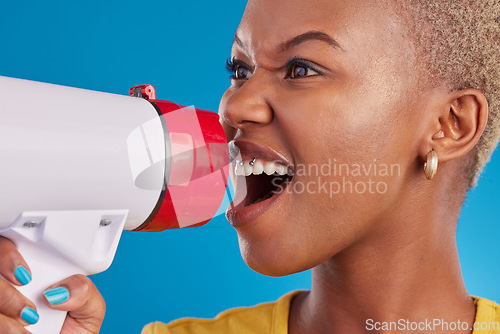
(300, 68)
(241, 72)
(238, 69)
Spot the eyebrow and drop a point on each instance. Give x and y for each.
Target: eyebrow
(302, 38)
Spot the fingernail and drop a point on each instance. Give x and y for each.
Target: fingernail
(22, 275)
(30, 315)
(57, 295)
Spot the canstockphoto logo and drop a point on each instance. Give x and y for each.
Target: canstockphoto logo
(430, 325)
(335, 178)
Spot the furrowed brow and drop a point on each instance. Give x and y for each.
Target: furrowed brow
(310, 36)
(302, 38)
(238, 41)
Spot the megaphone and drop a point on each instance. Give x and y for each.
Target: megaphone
(79, 166)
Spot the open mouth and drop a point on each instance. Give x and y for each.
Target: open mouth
(264, 179)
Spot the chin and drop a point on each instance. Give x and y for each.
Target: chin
(271, 261)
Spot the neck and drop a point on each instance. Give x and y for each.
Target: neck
(407, 273)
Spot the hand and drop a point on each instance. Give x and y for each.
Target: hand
(76, 294)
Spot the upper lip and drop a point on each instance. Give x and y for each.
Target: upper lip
(250, 150)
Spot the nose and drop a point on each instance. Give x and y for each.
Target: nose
(247, 105)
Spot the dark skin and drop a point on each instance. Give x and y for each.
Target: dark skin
(360, 99)
(374, 256)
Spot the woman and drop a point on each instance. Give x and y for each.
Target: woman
(353, 98)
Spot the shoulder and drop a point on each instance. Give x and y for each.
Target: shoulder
(487, 316)
(262, 318)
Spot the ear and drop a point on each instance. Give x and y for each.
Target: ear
(458, 126)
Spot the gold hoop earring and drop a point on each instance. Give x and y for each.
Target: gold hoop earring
(431, 165)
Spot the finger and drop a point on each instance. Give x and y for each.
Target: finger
(11, 326)
(77, 295)
(16, 306)
(12, 265)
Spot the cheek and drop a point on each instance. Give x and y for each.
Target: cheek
(345, 124)
(350, 150)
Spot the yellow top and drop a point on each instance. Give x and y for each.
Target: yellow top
(272, 318)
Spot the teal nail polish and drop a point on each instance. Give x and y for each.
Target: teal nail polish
(57, 295)
(30, 315)
(22, 275)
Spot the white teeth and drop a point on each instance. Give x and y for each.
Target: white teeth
(259, 166)
(281, 170)
(269, 167)
(238, 169)
(248, 168)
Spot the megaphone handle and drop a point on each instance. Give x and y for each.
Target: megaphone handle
(46, 268)
(59, 244)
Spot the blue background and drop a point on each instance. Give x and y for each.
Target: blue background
(180, 47)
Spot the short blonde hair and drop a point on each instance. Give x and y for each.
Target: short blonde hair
(458, 41)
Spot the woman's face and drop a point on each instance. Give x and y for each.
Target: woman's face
(329, 87)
